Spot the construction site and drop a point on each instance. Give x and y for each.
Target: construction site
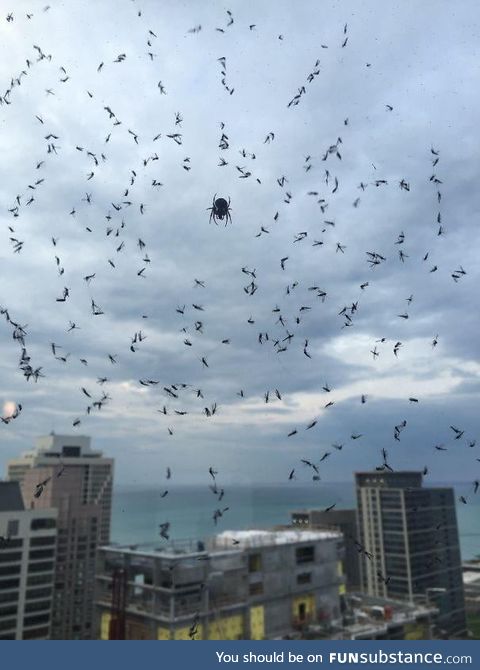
(254, 584)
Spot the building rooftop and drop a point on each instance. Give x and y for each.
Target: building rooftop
(226, 542)
(398, 479)
(321, 510)
(386, 473)
(170, 549)
(56, 446)
(370, 616)
(11, 497)
(259, 538)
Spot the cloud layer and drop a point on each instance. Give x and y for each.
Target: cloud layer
(119, 222)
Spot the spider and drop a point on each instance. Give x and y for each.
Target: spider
(220, 209)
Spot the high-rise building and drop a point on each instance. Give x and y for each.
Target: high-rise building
(409, 544)
(27, 562)
(77, 481)
(344, 520)
(254, 584)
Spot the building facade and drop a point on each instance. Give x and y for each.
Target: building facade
(409, 544)
(344, 520)
(238, 585)
(27, 562)
(77, 481)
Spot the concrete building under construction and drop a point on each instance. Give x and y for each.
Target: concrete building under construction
(344, 520)
(254, 584)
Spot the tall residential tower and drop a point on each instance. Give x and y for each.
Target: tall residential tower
(77, 481)
(27, 565)
(410, 546)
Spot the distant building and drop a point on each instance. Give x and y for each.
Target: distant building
(410, 546)
(27, 562)
(79, 484)
(239, 585)
(370, 618)
(344, 520)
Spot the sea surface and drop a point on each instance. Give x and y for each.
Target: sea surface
(137, 512)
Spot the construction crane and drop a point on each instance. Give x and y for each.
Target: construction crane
(119, 596)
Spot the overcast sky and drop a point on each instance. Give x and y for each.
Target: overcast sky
(421, 59)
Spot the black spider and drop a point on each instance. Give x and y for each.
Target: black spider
(220, 209)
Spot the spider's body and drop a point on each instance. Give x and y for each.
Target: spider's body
(220, 210)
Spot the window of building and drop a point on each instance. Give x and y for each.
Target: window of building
(10, 557)
(38, 619)
(9, 584)
(254, 563)
(40, 553)
(42, 524)
(42, 541)
(9, 597)
(8, 609)
(38, 593)
(256, 588)
(37, 606)
(33, 580)
(71, 451)
(305, 554)
(12, 544)
(12, 528)
(304, 578)
(9, 570)
(9, 623)
(35, 633)
(40, 567)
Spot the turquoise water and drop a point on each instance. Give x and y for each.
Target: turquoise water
(138, 512)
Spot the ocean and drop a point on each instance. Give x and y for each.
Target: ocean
(137, 512)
